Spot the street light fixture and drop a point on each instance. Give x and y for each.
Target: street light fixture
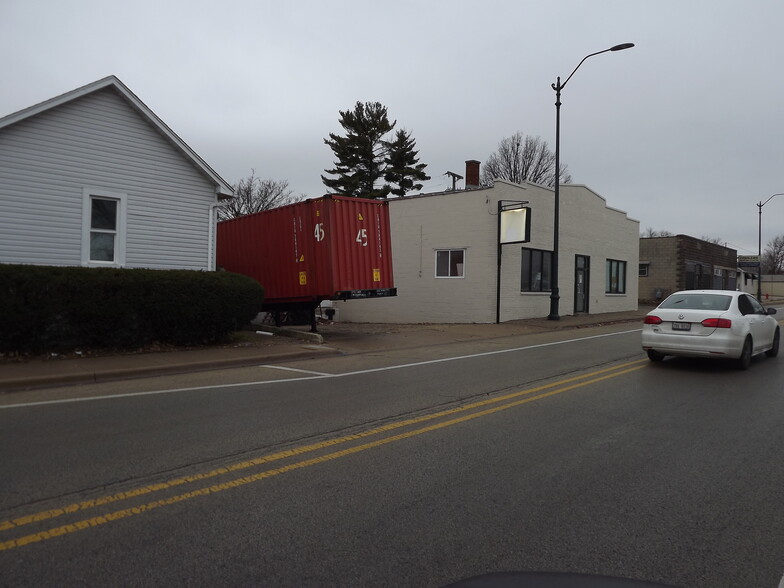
(558, 86)
(760, 204)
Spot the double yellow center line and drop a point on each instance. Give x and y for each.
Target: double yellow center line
(480, 409)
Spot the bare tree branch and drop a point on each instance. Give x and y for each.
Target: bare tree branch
(253, 194)
(714, 240)
(521, 158)
(773, 256)
(651, 232)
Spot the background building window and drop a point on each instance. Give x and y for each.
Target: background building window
(643, 270)
(450, 263)
(699, 276)
(615, 281)
(535, 271)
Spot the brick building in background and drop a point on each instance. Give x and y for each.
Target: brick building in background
(680, 262)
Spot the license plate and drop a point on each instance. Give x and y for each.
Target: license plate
(681, 326)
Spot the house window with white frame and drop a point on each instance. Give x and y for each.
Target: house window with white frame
(103, 229)
(450, 263)
(103, 238)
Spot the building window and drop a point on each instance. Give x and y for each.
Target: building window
(698, 276)
(615, 282)
(103, 229)
(644, 270)
(535, 271)
(450, 263)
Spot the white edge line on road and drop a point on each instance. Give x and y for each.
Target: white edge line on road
(288, 369)
(309, 378)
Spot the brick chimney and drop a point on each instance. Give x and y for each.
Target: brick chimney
(472, 174)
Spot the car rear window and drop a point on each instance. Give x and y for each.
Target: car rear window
(698, 301)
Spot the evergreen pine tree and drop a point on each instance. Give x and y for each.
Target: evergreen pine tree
(402, 167)
(359, 155)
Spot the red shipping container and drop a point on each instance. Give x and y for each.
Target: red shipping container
(329, 248)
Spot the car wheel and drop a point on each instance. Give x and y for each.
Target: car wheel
(774, 351)
(655, 355)
(744, 361)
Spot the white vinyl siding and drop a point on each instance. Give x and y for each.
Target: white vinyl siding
(48, 161)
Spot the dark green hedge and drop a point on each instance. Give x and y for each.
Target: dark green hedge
(45, 308)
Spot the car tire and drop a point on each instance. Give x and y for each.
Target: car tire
(655, 355)
(774, 351)
(744, 361)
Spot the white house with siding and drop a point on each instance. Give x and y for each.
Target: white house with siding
(446, 265)
(94, 178)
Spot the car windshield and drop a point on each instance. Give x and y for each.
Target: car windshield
(698, 301)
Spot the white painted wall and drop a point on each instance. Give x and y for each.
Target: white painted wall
(590, 227)
(468, 219)
(100, 143)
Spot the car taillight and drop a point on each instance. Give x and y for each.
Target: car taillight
(653, 320)
(717, 323)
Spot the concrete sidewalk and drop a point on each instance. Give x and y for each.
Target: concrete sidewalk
(283, 345)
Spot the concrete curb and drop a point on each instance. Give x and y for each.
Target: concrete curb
(93, 377)
(293, 333)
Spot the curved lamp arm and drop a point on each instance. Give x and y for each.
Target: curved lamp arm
(620, 47)
(761, 204)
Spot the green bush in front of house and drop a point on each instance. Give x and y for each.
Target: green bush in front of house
(44, 308)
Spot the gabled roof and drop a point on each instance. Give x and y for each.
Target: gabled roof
(223, 189)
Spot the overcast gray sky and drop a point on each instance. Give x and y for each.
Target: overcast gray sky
(684, 132)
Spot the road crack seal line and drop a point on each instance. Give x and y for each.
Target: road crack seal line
(559, 386)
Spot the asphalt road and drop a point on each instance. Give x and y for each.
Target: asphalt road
(406, 468)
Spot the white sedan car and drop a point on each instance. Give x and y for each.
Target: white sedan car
(711, 323)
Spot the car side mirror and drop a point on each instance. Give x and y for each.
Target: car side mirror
(770, 311)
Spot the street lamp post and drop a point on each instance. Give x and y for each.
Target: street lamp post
(760, 204)
(558, 86)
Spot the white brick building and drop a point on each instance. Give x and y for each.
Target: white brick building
(445, 257)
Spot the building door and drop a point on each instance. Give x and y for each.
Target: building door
(582, 266)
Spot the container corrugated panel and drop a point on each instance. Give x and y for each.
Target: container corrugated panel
(329, 248)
